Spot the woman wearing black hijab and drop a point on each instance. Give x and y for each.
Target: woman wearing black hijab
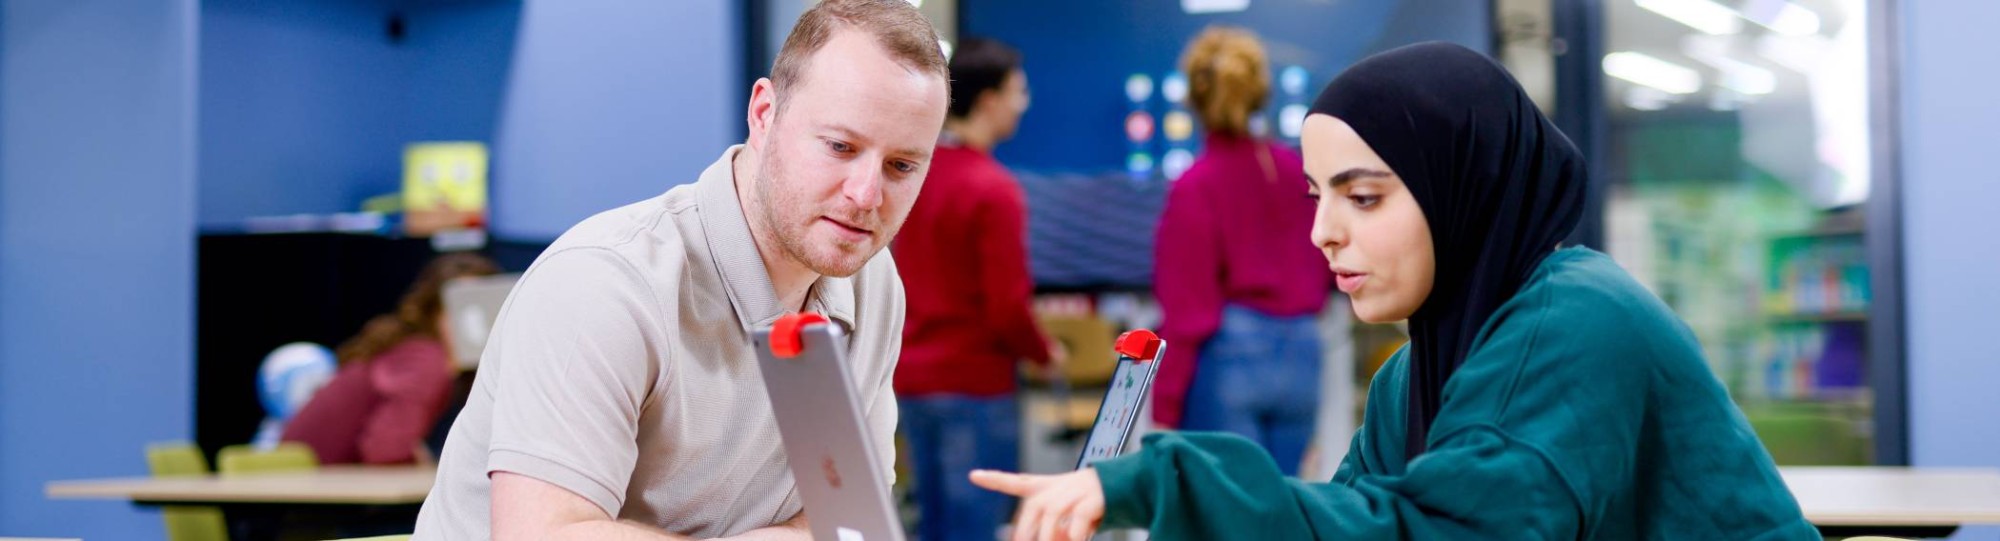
(1545, 394)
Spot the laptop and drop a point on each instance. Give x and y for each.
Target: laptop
(471, 305)
(803, 358)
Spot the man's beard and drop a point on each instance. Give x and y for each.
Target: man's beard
(789, 219)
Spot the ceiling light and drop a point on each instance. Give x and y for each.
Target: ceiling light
(1704, 15)
(1745, 78)
(1645, 70)
(1782, 16)
(1737, 75)
(1195, 7)
(1795, 20)
(1802, 54)
(1647, 99)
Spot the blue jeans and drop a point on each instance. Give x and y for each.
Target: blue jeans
(1258, 377)
(948, 436)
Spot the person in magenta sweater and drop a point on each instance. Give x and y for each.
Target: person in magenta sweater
(394, 377)
(963, 255)
(1239, 287)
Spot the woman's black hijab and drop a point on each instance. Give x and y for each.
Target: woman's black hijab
(1498, 183)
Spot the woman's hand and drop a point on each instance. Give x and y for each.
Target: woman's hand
(1053, 507)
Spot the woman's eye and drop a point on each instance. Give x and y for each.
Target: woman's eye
(1364, 201)
(906, 167)
(839, 147)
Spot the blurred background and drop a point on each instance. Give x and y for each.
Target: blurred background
(188, 185)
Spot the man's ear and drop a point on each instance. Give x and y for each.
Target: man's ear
(763, 111)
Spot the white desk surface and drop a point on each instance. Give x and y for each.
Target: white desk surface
(1830, 496)
(333, 485)
(1896, 496)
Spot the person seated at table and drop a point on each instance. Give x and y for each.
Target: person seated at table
(1545, 393)
(394, 379)
(619, 397)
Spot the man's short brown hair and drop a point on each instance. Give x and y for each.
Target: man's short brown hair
(895, 24)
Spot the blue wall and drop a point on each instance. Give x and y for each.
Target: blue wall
(107, 107)
(306, 105)
(456, 63)
(1078, 54)
(298, 101)
(610, 102)
(1949, 188)
(587, 104)
(97, 207)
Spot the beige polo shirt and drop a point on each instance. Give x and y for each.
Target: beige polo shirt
(622, 369)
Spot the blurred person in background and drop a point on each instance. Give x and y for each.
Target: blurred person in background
(1239, 288)
(394, 380)
(1545, 393)
(963, 255)
(619, 396)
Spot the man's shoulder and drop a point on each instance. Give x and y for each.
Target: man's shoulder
(621, 224)
(635, 235)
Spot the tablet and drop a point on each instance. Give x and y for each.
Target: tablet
(1138, 361)
(803, 358)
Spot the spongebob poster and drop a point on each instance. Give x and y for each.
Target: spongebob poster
(444, 186)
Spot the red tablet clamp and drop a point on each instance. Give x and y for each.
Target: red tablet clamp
(1139, 344)
(786, 342)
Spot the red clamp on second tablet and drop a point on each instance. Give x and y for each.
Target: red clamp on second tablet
(785, 339)
(1139, 344)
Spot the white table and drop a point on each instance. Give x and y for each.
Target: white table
(329, 485)
(1902, 501)
(255, 504)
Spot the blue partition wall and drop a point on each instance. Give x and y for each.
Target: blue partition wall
(1949, 251)
(610, 102)
(125, 126)
(97, 213)
(586, 104)
(306, 105)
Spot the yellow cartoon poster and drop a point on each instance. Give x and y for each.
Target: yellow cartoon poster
(444, 186)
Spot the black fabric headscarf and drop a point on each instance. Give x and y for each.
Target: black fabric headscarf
(1499, 185)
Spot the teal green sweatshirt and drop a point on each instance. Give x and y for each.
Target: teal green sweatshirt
(1584, 410)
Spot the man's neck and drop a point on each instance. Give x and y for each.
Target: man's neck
(970, 134)
(790, 280)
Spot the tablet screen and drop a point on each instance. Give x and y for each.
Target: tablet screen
(1122, 402)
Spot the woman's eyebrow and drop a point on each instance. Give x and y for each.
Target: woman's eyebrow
(1354, 174)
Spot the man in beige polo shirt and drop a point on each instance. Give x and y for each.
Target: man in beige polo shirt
(619, 396)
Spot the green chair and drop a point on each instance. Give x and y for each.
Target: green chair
(238, 460)
(243, 460)
(185, 522)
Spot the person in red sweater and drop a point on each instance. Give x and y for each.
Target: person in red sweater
(963, 255)
(394, 377)
(1239, 292)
